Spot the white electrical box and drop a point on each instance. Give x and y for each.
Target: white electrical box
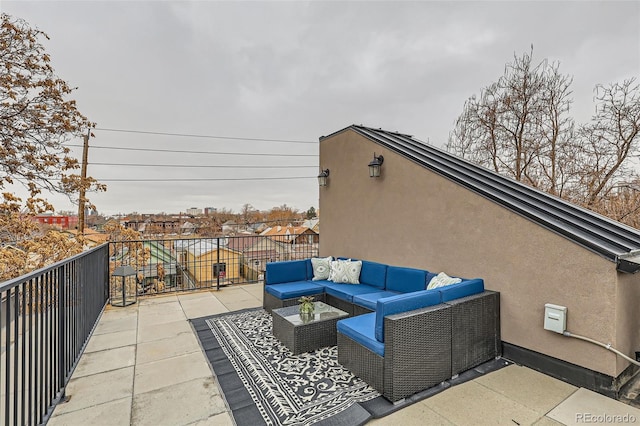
(555, 318)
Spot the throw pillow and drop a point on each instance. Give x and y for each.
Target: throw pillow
(321, 267)
(442, 280)
(345, 271)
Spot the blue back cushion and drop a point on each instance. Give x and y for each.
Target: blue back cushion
(373, 274)
(405, 280)
(284, 272)
(402, 303)
(463, 289)
(309, 269)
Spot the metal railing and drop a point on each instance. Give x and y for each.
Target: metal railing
(46, 318)
(183, 264)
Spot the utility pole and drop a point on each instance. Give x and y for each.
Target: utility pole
(83, 178)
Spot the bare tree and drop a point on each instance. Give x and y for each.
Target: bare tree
(610, 140)
(519, 125)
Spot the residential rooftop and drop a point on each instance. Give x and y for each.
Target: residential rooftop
(144, 366)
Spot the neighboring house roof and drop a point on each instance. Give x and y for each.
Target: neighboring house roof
(159, 252)
(200, 247)
(287, 230)
(90, 235)
(613, 240)
(313, 224)
(240, 243)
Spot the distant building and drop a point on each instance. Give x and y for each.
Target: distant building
(194, 211)
(292, 234)
(210, 210)
(57, 221)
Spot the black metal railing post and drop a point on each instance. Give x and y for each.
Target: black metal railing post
(217, 266)
(39, 327)
(62, 275)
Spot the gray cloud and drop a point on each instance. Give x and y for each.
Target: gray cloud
(299, 70)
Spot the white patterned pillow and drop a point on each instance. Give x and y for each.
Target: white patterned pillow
(321, 267)
(345, 271)
(442, 280)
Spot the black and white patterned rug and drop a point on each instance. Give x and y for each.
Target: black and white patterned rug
(265, 384)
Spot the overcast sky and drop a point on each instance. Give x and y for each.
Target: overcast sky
(295, 71)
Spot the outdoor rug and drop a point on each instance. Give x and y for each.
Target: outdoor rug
(264, 384)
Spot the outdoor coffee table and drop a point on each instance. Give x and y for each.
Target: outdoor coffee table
(301, 334)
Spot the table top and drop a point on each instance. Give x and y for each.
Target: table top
(322, 312)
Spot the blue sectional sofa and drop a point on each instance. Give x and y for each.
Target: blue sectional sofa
(400, 337)
(285, 282)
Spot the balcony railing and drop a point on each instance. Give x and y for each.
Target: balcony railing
(171, 265)
(46, 318)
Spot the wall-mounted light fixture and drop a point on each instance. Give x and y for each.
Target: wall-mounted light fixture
(375, 165)
(322, 177)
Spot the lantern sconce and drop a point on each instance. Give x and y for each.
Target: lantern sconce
(322, 177)
(375, 165)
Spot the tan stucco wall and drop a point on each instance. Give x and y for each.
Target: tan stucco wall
(414, 217)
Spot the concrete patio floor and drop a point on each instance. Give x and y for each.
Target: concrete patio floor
(144, 366)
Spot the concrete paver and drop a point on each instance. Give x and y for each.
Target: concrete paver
(164, 298)
(106, 360)
(585, 406)
(194, 308)
(418, 414)
(160, 314)
(196, 400)
(222, 419)
(170, 371)
(180, 344)
(108, 414)
(530, 388)
(163, 331)
(113, 340)
(85, 392)
(114, 325)
(471, 400)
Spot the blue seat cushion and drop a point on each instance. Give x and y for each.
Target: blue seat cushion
(369, 300)
(361, 330)
(402, 303)
(373, 274)
(288, 271)
(295, 289)
(347, 291)
(323, 283)
(405, 280)
(463, 289)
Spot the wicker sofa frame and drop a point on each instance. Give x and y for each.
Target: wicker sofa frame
(270, 302)
(427, 346)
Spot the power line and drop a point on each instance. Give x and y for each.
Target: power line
(197, 152)
(188, 135)
(201, 166)
(186, 179)
(202, 179)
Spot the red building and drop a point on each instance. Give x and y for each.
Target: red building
(62, 222)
